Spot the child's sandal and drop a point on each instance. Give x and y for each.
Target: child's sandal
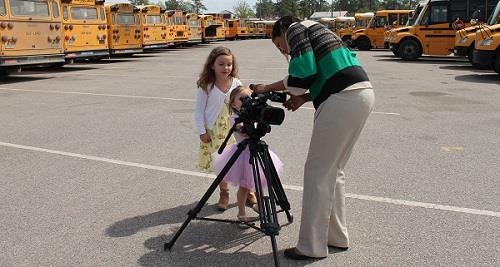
(223, 203)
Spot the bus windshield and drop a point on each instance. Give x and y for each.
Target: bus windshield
(35, 8)
(82, 13)
(495, 16)
(179, 21)
(154, 19)
(416, 13)
(126, 19)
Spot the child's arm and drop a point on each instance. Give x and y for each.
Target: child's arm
(199, 115)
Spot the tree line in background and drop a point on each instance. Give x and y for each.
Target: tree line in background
(279, 8)
(305, 8)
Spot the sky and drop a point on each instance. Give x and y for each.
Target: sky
(212, 5)
(219, 5)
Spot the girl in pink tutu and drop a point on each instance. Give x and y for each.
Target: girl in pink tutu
(241, 173)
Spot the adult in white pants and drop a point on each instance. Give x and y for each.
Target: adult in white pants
(325, 71)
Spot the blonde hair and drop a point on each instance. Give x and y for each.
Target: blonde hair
(207, 76)
(236, 91)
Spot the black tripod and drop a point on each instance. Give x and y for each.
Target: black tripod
(260, 159)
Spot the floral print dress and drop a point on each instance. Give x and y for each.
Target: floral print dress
(217, 135)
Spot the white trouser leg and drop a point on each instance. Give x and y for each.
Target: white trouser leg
(337, 125)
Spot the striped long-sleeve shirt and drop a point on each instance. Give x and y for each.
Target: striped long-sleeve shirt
(320, 62)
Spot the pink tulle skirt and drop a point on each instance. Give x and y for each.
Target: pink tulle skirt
(241, 173)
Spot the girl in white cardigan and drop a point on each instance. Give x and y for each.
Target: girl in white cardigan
(218, 78)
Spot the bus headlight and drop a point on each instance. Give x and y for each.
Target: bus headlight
(463, 40)
(486, 42)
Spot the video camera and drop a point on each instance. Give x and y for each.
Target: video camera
(254, 108)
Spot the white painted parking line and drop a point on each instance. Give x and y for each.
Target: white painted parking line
(140, 97)
(289, 187)
(96, 94)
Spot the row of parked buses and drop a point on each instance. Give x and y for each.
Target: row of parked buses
(467, 28)
(54, 32)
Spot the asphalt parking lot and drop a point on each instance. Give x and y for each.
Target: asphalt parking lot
(97, 165)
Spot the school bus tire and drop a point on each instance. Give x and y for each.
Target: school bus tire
(4, 74)
(410, 50)
(347, 40)
(395, 50)
(363, 43)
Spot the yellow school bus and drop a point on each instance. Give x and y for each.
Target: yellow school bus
(231, 29)
(252, 29)
(243, 29)
(269, 24)
(169, 24)
(124, 29)
(362, 20)
(260, 29)
(373, 35)
(208, 28)
(465, 38)
(194, 25)
(85, 29)
(153, 27)
(221, 28)
(30, 33)
(487, 47)
(390, 34)
(434, 31)
(181, 33)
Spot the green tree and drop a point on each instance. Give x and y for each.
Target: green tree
(199, 6)
(265, 9)
(287, 8)
(243, 10)
(180, 5)
(139, 2)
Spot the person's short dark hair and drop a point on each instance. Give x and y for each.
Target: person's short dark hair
(281, 25)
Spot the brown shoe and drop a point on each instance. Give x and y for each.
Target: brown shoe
(251, 199)
(252, 202)
(223, 203)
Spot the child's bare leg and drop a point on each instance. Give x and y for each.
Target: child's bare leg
(223, 196)
(242, 198)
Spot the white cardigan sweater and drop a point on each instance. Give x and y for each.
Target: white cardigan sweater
(208, 106)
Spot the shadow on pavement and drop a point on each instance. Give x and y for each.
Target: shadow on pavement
(490, 78)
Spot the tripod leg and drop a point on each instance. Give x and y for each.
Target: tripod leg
(267, 205)
(275, 251)
(274, 181)
(194, 212)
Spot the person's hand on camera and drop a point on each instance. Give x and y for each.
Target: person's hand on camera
(260, 88)
(295, 102)
(205, 138)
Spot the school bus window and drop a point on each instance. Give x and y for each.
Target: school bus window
(403, 19)
(439, 14)
(381, 21)
(83, 13)
(35, 8)
(392, 18)
(2, 8)
(126, 19)
(55, 9)
(194, 23)
(102, 14)
(65, 13)
(458, 9)
(154, 19)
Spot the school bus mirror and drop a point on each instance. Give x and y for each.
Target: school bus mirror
(99, 2)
